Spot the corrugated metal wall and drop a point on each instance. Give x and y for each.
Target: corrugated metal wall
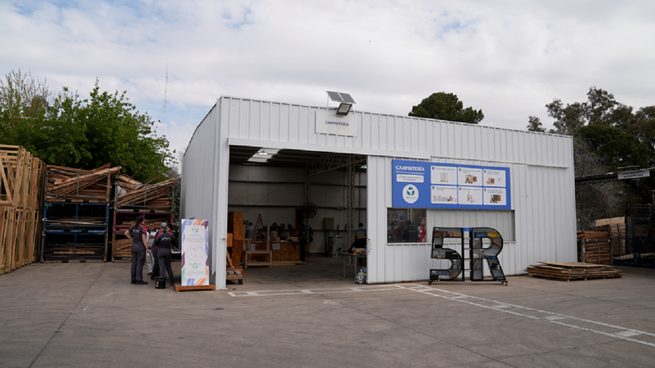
(541, 172)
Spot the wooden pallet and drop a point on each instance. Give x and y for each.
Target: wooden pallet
(146, 196)
(572, 271)
(69, 184)
(21, 197)
(191, 288)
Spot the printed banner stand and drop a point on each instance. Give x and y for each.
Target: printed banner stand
(195, 255)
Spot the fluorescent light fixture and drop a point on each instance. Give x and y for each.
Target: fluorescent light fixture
(344, 108)
(263, 155)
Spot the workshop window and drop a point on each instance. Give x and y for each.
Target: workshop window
(406, 225)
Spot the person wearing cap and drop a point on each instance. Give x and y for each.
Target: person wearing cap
(164, 242)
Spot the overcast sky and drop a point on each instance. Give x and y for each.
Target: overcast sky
(508, 58)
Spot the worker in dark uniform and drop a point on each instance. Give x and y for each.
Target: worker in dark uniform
(155, 252)
(164, 242)
(410, 234)
(137, 233)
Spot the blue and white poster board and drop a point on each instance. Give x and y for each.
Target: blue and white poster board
(195, 252)
(419, 184)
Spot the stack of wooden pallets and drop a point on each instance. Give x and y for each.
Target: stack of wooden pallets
(133, 194)
(76, 213)
(66, 184)
(595, 246)
(21, 197)
(132, 198)
(572, 271)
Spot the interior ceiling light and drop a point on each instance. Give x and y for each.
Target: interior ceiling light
(263, 155)
(345, 101)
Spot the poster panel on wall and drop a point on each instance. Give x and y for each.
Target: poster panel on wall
(421, 184)
(195, 252)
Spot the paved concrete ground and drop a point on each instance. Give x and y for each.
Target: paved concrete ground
(88, 315)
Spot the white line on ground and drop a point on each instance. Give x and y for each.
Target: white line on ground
(552, 317)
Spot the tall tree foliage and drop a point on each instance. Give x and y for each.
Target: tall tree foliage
(613, 137)
(23, 99)
(446, 106)
(86, 133)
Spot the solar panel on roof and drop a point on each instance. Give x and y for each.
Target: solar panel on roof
(334, 96)
(347, 98)
(340, 97)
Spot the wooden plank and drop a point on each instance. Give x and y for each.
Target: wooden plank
(192, 288)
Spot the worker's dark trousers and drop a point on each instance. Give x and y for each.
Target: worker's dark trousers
(164, 256)
(138, 260)
(155, 267)
(303, 247)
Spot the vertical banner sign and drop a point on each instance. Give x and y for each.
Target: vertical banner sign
(195, 252)
(421, 184)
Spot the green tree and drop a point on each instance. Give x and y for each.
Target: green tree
(86, 133)
(601, 108)
(534, 125)
(615, 147)
(446, 106)
(23, 99)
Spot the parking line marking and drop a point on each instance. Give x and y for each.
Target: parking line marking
(551, 317)
(315, 291)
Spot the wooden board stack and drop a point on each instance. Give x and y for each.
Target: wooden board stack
(133, 194)
(595, 246)
(21, 196)
(66, 184)
(572, 271)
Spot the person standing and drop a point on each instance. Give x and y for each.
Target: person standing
(164, 243)
(150, 257)
(306, 235)
(137, 233)
(360, 233)
(155, 252)
(410, 234)
(250, 231)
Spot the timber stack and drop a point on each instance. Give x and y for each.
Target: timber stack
(572, 271)
(595, 246)
(21, 194)
(76, 213)
(155, 202)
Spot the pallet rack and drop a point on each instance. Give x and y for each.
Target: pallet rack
(75, 231)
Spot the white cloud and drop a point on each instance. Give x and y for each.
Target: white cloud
(508, 58)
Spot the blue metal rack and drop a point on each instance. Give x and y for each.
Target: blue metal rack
(75, 231)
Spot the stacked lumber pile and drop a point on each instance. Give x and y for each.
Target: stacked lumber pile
(595, 246)
(617, 232)
(77, 185)
(131, 193)
(572, 271)
(21, 196)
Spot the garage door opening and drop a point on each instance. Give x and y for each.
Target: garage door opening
(279, 191)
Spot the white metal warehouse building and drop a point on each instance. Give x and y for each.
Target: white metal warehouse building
(538, 222)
